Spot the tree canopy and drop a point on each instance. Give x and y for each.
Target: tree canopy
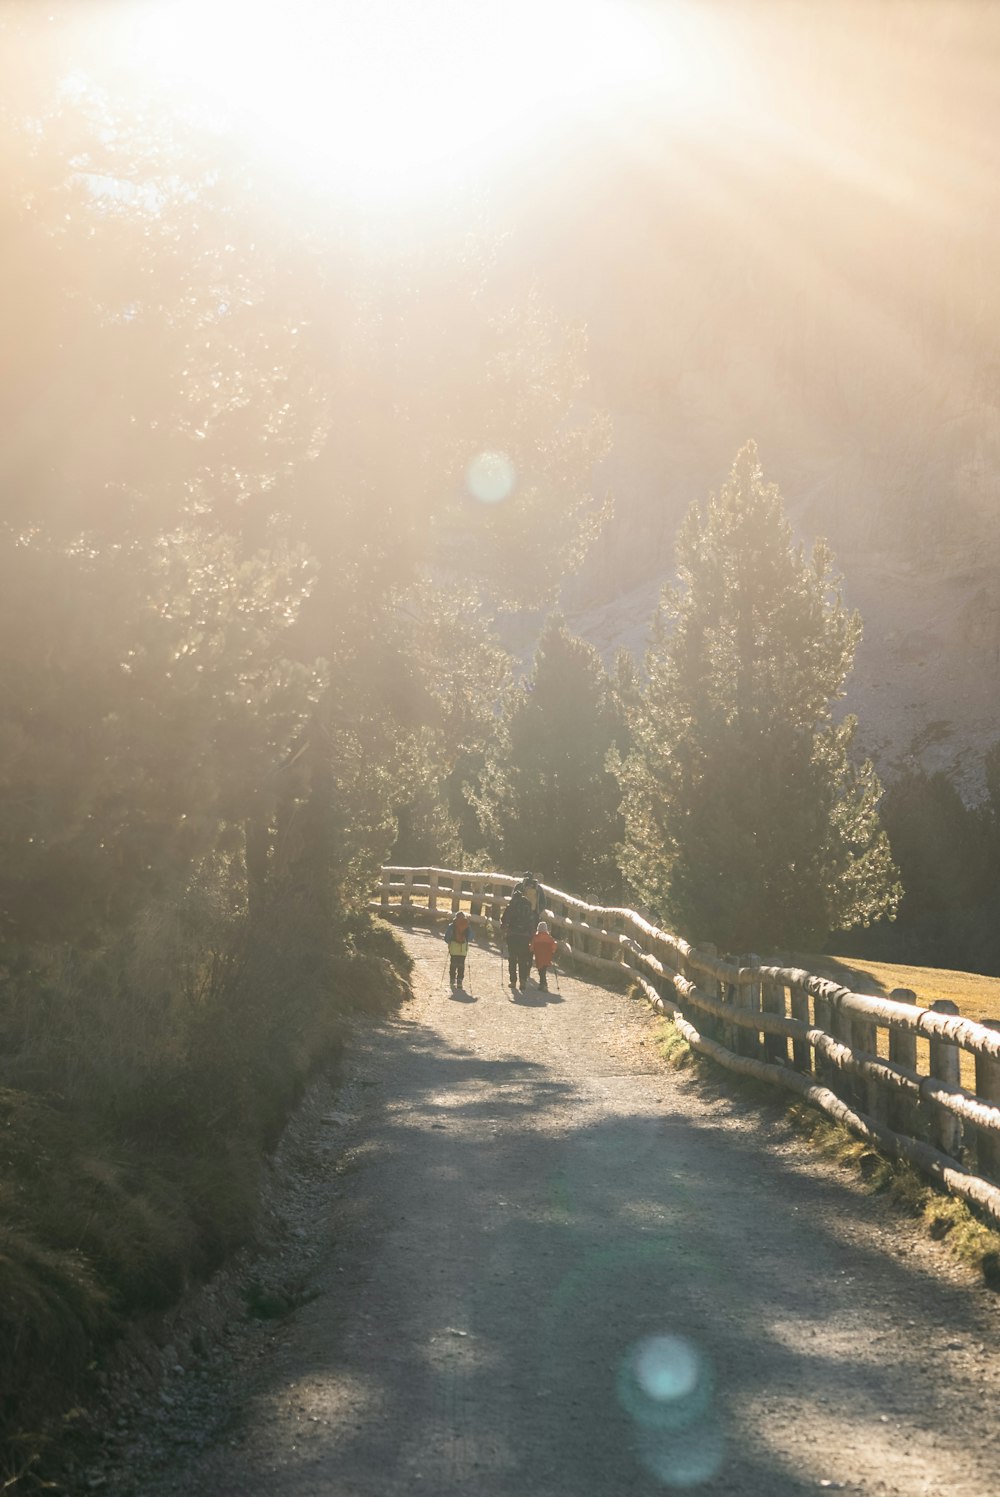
(548, 798)
(239, 544)
(748, 822)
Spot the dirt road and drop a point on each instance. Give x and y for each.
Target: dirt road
(546, 1266)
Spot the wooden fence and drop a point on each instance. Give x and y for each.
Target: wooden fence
(886, 1068)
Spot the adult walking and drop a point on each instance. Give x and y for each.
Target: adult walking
(517, 924)
(532, 893)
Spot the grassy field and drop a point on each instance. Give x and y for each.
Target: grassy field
(977, 997)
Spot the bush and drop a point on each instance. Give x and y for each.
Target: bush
(135, 1122)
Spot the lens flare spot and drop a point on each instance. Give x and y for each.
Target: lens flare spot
(490, 477)
(685, 1457)
(667, 1367)
(665, 1383)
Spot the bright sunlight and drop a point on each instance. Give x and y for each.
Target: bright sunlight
(387, 100)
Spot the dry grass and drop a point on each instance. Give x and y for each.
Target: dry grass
(975, 997)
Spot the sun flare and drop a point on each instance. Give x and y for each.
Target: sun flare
(391, 99)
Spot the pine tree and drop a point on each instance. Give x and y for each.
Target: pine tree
(946, 854)
(549, 800)
(748, 821)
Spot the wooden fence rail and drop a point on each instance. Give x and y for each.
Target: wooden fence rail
(854, 1056)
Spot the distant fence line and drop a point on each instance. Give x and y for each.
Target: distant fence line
(884, 1067)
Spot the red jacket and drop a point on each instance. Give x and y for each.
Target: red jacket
(543, 948)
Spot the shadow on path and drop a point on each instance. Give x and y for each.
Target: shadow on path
(577, 1285)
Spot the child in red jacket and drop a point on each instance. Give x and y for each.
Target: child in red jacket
(543, 949)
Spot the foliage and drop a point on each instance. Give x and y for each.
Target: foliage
(455, 681)
(948, 855)
(747, 821)
(146, 701)
(269, 464)
(137, 1093)
(548, 799)
(245, 594)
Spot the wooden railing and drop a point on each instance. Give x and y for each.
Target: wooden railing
(886, 1068)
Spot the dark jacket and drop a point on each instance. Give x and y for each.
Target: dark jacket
(518, 920)
(532, 893)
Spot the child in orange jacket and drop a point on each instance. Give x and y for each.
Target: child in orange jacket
(543, 949)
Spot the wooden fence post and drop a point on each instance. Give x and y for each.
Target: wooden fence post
(406, 898)
(384, 890)
(726, 992)
(751, 1002)
(903, 1113)
(708, 1024)
(825, 1069)
(801, 1049)
(946, 1065)
(772, 1001)
(871, 1097)
(841, 1081)
(988, 1088)
(432, 892)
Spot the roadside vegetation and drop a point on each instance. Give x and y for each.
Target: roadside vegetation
(243, 659)
(972, 1241)
(134, 1123)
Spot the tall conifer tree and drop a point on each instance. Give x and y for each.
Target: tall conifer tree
(549, 801)
(748, 823)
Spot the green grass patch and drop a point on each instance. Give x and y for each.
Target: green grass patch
(672, 1046)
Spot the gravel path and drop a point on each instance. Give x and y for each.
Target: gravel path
(544, 1265)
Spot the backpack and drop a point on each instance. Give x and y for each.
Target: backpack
(519, 918)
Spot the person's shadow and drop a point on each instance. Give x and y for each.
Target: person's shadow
(537, 997)
(459, 995)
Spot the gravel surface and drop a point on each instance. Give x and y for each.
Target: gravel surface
(514, 1254)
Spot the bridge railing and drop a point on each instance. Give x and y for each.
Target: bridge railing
(920, 1083)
